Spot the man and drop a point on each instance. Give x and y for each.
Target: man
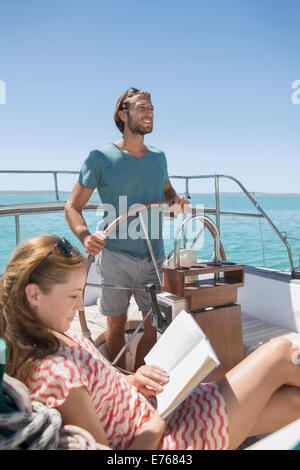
(125, 169)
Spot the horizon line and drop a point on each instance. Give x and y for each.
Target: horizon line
(39, 191)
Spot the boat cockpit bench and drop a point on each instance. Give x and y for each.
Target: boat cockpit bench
(209, 293)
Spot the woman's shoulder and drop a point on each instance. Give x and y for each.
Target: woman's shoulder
(57, 373)
(75, 361)
(66, 357)
(75, 355)
(70, 339)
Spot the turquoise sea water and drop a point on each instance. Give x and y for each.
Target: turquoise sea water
(246, 240)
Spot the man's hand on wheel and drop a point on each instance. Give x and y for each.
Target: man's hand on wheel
(95, 243)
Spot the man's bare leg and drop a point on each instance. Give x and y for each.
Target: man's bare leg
(146, 343)
(115, 338)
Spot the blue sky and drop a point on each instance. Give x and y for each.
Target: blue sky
(220, 74)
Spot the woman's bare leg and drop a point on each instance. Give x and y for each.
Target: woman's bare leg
(284, 405)
(249, 387)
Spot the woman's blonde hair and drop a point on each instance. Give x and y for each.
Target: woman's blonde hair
(28, 340)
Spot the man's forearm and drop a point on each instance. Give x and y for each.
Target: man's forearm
(170, 194)
(76, 222)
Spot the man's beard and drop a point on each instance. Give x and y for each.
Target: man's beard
(138, 129)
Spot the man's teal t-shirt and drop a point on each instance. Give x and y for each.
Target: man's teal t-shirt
(123, 181)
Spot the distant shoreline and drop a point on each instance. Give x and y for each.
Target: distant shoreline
(238, 193)
(42, 191)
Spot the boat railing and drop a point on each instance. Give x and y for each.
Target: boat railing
(37, 208)
(261, 213)
(54, 173)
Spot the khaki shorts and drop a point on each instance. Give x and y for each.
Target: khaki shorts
(122, 270)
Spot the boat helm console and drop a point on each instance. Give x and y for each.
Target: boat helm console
(207, 290)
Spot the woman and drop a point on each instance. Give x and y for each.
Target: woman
(41, 290)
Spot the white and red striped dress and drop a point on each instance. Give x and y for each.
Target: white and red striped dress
(200, 422)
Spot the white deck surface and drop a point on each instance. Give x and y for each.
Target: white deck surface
(97, 322)
(255, 332)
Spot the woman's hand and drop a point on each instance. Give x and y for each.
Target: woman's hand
(156, 424)
(149, 380)
(150, 434)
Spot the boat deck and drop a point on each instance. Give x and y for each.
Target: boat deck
(255, 332)
(97, 322)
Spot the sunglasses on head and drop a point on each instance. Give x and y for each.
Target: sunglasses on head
(64, 246)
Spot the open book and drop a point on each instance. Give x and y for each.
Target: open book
(186, 354)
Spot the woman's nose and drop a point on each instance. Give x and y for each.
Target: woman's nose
(80, 304)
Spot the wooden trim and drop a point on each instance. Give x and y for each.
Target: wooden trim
(223, 327)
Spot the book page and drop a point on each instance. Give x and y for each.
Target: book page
(206, 368)
(200, 361)
(179, 339)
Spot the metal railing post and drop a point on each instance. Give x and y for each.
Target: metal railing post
(187, 195)
(217, 197)
(17, 229)
(56, 186)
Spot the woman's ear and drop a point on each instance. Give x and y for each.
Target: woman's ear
(32, 292)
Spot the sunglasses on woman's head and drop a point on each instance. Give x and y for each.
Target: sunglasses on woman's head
(64, 246)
